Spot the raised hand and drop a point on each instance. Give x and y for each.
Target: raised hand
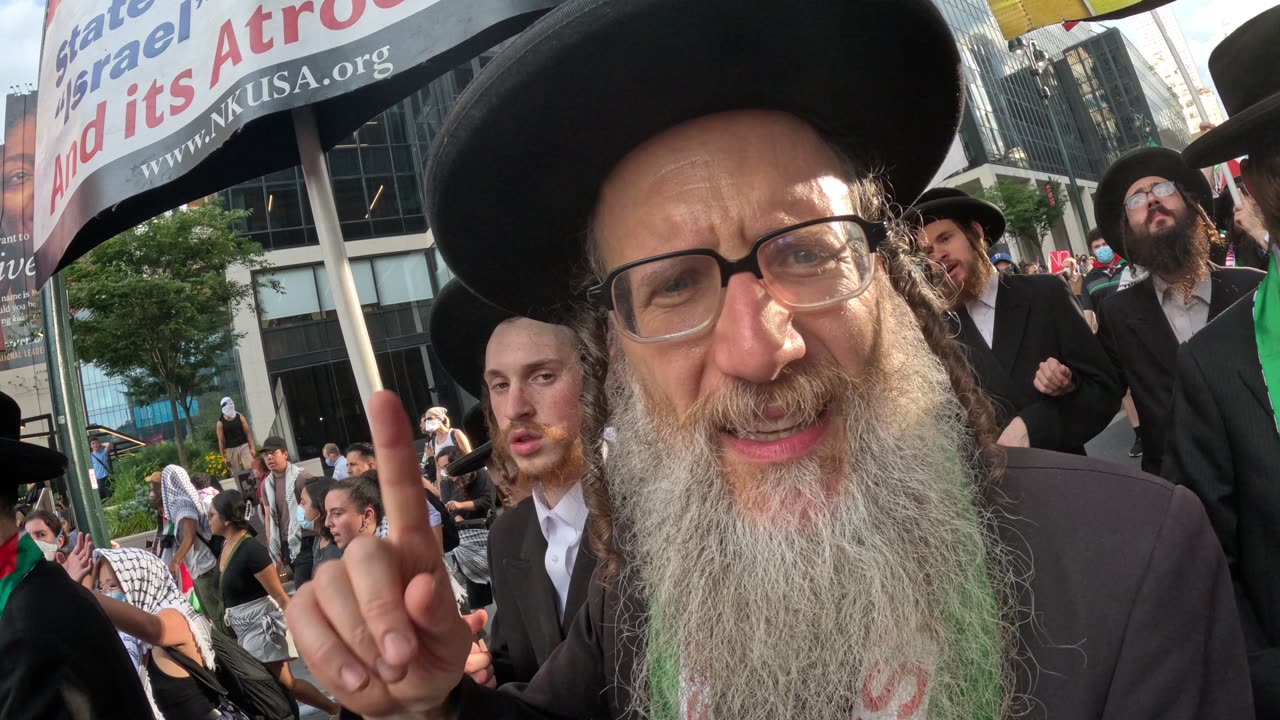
(380, 628)
(80, 562)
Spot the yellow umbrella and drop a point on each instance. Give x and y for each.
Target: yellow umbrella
(1017, 17)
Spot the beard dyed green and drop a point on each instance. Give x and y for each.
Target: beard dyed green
(792, 614)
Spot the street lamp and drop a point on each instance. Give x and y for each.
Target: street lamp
(1039, 61)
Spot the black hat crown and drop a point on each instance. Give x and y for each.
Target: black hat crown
(10, 418)
(1239, 63)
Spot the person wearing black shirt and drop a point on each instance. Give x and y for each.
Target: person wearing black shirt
(255, 600)
(468, 497)
(235, 438)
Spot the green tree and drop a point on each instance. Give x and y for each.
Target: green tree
(156, 303)
(1027, 211)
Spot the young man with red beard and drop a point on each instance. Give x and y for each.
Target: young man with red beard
(1225, 444)
(804, 513)
(1154, 210)
(1050, 383)
(540, 565)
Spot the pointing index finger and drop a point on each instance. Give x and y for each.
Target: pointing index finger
(400, 481)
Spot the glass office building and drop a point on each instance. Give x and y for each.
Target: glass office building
(1120, 98)
(1099, 87)
(308, 391)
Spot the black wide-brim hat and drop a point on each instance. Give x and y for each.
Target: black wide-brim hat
(478, 431)
(459, 328)
(514, 173)
(24, 462)
(1108, 203)
(1244, 69)
(944, 203)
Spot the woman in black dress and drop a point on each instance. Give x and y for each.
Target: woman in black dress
(255, 600)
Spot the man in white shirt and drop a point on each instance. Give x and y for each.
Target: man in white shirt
(1033, 352)
(334, 458)
(530, 379)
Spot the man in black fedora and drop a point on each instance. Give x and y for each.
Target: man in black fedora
(529, 378)
(708, 200)
(1154, 210)
(62, 657)
(1225, 445)
(1051, 384)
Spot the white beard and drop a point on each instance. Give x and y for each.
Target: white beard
(777, 617)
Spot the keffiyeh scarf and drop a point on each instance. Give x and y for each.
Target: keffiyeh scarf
(148, 586)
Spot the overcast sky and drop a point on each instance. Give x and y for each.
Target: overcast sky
(1204, 22)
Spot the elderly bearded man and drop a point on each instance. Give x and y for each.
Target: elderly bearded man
(810, 516)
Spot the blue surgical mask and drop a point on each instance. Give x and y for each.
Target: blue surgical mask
(117, 595)
(303, 522)
(1105, 255)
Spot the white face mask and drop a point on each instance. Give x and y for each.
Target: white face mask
(431, 426)
(49, 549)
(229, 411)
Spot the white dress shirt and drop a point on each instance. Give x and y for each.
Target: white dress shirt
(1186, 317)
(562, 527)
(982, 309)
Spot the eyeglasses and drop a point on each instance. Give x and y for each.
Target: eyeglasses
(1160, 190)
(806, 266)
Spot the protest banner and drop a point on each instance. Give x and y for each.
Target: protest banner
(1058, 260)
(144, 105)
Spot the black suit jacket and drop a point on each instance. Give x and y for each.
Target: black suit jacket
(1036, 319)
(1136, 335)
(1131, 598)
(527, 626)
(1226, 449)
(62, 658)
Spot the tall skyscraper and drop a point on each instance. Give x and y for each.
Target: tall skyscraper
(1144, 33)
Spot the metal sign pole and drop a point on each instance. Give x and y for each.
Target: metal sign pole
(341, 282)
(68, 409)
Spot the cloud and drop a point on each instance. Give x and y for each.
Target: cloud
(20, 29)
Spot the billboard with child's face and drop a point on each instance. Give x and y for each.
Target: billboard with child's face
(20, 328)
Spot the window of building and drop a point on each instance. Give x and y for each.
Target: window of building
(294, 299)
(361, 273)
(402, 278)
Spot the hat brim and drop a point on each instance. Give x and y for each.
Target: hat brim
(473, 422)
(965, 209)
(514, 173)
(1146, 162)
(28, 462)
(1232, 139)
(460, 325)
(470, 462)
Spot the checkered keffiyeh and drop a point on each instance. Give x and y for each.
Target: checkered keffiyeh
(177, 494)
(148, 586)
